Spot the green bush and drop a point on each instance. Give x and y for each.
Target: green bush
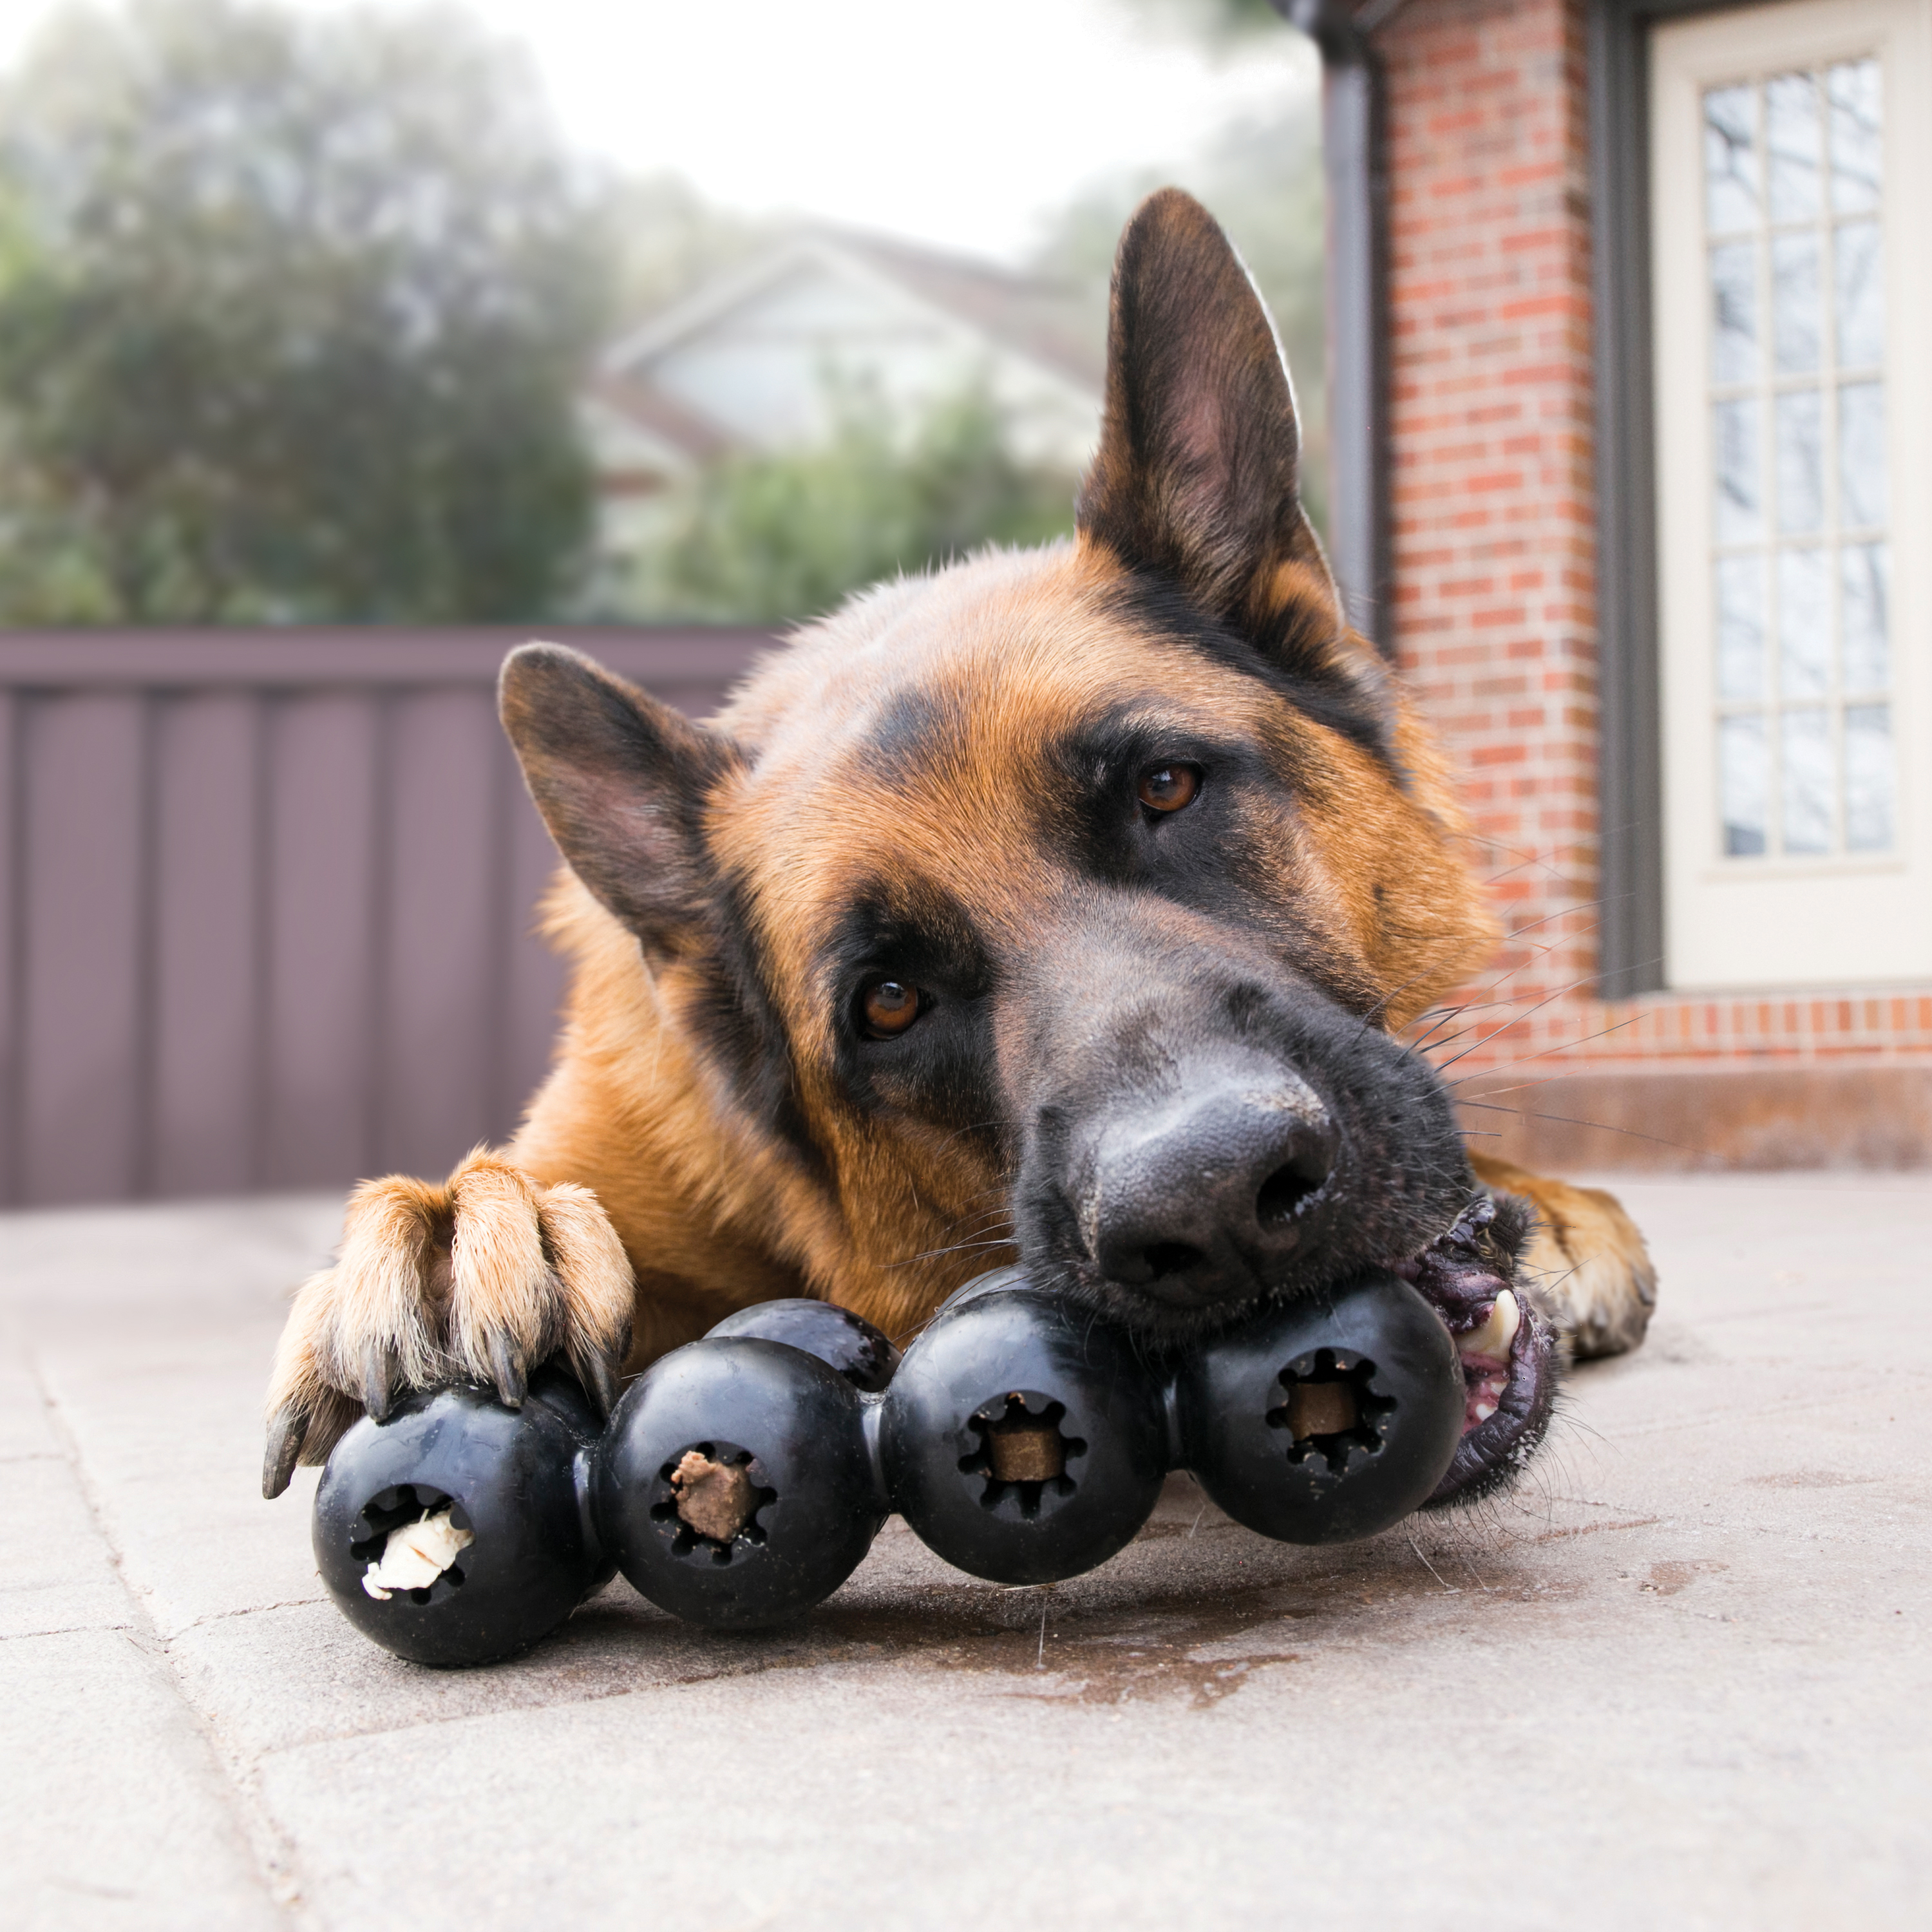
(773, 538)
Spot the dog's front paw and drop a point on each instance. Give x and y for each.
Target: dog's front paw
(479, 1279)
(1585, 1257)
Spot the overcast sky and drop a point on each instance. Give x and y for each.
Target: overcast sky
(960, 123)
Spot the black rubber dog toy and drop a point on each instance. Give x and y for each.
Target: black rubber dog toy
(742, 1477)
(500, 1496)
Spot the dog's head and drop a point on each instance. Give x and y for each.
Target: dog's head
(1068, 898)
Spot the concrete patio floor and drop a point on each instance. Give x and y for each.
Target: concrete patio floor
(1680, 1679)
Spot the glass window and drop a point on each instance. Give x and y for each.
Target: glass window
(1793, 186)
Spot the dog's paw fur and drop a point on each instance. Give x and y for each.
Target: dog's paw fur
(1586, 1259)
(480, 1280)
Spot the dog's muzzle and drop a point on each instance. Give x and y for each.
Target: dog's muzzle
(1204, 1195)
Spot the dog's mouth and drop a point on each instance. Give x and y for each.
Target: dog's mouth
(1508, 1345)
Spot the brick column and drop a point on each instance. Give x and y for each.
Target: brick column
(1491, 421)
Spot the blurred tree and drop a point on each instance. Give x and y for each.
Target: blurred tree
(773, 537)
(297, 307)
(1222, 20)
(45, 577)
(670, 240)
(1262, 181)
(1261, 177)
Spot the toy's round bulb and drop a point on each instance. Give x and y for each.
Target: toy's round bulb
(734, 1486)
(1327, 1418)
(456, 1532)
(863, 1355)
(1022, 1441)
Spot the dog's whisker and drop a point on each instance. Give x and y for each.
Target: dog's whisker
(1571, 1121)
(981, 1219)
(958, 1248)
(1524, 1060)
(971, 1127)
(1449, 1589)
(1426, 1044)
(1547, 1000)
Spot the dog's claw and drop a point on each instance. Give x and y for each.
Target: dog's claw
(287, 1429)
(375, 1382)
(507, 1363)
(600, 1381)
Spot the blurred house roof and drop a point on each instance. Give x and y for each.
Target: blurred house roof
(756, 357)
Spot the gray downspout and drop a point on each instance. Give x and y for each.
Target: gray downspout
(1352, 151)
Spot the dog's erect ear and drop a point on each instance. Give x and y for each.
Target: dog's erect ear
(1197, 476)
(621, 780)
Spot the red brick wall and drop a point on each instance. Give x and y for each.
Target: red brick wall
(1494, 551)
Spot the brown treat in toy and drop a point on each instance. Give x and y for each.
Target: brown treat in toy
(1322, 1408)
(716, 1499)
(1025, 1451)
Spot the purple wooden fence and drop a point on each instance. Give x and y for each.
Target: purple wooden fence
(265, 901)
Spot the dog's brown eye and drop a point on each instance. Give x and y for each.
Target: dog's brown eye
(1167, 787)
(890, 1007)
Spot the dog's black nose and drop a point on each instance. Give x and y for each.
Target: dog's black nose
(1195, 1198)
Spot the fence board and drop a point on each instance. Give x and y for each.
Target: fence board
(205, 1124)
(443, 956)
(86, 966)
(324, 885)
(12, 1005)
(265, 902)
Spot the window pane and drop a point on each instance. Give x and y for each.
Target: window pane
(1803, 625)
(1806, 744)
(1871, 779)
(1796, 325)
(1860, 278)
(1743, 785)
(1856, 147)
(1801, 463)
(1730, 158)
(1740, 511)
(1865, 577)
(1861, 489)
(1791, 139)
(1734, 312)
(1740, 628)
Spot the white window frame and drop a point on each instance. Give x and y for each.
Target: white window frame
(1773, 921)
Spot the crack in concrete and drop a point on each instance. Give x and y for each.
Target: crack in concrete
(61, 1629)
(248, 1610)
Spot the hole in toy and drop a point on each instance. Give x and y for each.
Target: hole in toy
(407, 1538)
(708, 1500)
(1022, 1453)
(1332, 1410)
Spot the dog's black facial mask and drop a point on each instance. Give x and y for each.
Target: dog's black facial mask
(1200, 1127)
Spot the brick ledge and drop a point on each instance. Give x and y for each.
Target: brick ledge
(1691, 1119)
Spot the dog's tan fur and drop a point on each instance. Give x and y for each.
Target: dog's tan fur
(645, 1196)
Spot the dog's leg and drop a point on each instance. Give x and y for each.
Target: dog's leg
(480, 1279)
(1586, 1257)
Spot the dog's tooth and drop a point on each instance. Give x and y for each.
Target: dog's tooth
(1481, 1412)
(1498, 1331)
(1511, 1316)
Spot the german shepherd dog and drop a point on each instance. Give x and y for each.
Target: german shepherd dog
(1066, 905)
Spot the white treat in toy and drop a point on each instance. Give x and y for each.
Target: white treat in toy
(416, 1554)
